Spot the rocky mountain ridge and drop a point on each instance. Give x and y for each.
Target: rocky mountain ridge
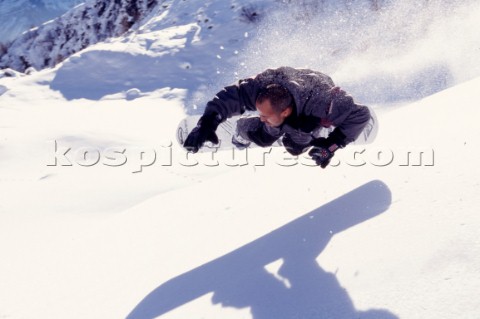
(84, 25)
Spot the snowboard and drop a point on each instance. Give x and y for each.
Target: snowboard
(226, 131)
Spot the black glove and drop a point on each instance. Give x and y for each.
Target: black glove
(323, 148)
(203, 132)
(321, 156)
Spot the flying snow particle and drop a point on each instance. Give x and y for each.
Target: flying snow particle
(186, 66)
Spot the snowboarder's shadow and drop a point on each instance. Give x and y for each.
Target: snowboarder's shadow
(300, 289)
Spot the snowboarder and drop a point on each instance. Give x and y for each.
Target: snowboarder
(292, 104)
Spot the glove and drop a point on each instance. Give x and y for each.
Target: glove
(323, 148)
(203, 132)
(321, 156)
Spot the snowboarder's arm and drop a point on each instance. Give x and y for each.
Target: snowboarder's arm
(349, 120)
(354, 123)
(347, 116)
(234, 99)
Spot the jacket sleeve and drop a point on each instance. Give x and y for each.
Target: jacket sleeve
(234, 99)
(348, 116)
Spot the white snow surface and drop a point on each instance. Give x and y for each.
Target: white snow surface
(102, 215)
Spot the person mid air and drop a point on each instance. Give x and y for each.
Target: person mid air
(292, 104)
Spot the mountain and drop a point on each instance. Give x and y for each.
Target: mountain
(21, 15)
(86, 24)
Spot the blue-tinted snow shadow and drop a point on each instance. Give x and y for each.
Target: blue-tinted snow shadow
(97, 73)
(239, 279)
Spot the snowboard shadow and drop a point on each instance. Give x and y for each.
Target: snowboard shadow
(301, 289)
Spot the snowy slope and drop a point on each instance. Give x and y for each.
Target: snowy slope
(416, 258)
(21, 15)
(102, 217)
(246, 243)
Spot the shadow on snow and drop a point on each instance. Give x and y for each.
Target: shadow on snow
(239, 279)
(95, 74)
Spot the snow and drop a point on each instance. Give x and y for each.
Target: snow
(102, 215)
(89, 23)
(21, 15)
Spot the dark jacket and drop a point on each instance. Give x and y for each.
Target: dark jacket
(318, 103)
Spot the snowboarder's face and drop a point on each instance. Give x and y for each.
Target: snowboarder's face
(269, 116)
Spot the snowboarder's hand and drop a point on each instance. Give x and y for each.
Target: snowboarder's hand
(321, 156)
(323, 148)
(198, 137)
(205, 131)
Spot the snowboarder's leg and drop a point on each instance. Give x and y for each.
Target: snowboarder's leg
(294, 146)
(251, 129)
